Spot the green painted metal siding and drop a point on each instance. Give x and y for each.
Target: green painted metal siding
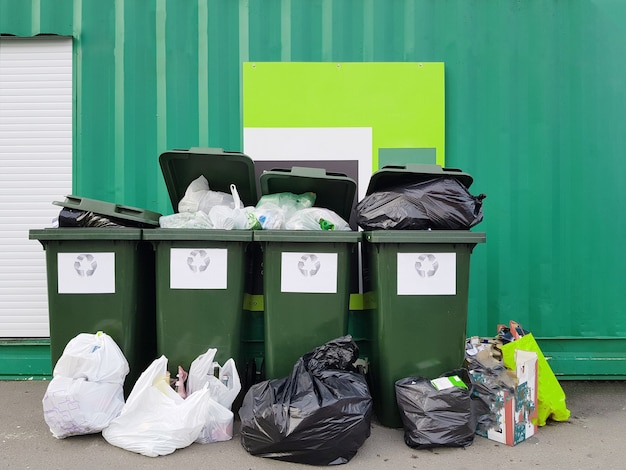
(534, 104)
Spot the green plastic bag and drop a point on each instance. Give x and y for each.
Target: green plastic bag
(550, 395)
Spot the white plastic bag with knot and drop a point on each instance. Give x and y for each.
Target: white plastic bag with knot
(86, 391)
(156, 420)
(223, 389)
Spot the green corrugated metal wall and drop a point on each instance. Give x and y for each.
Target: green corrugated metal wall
(534, 103)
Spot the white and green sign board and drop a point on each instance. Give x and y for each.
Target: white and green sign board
(355, 117)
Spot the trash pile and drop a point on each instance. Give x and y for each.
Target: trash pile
(203, 208)
(504, 392)
(512, 376)
(160, 415)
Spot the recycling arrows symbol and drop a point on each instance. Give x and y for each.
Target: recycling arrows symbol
(85, 265)
(309, 265)
(426, 265)
(198, 261)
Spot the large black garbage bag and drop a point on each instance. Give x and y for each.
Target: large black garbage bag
(437, 204)
(319, 415)
(436, 418)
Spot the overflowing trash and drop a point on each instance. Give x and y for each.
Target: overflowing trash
(86, 390)
(441, 203)
(319, 415)
(202, 208)
(512, 377)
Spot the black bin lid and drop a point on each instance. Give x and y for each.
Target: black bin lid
(401, 175)
(334, 191)
(220, 168)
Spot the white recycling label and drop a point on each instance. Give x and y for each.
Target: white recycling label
(198, 268)
(426, 274)
(86, 273)
(308, 272)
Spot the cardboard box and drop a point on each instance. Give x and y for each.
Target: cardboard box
(516, 411)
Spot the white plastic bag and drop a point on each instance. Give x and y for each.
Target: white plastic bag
(76, 406)
(233, 218)
(316, 218)
(86, 391)
(186, 220)
(222, 389)
(196, 190)
(199, 197)
(156, 420)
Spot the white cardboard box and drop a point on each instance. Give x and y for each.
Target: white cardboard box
(516, 412)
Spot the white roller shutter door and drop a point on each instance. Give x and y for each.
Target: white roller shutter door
(35, 169)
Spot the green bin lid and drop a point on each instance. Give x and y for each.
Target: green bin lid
(401, 175)
(220, 168)
(334, 191)
(139, 217)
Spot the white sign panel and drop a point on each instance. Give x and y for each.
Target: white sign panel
(86, 273)
(198, 268)
(313, 143)
(426, 274)
(309, 273)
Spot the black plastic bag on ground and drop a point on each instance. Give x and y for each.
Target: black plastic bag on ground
(319, 415)
(436, 418)
(437, 204)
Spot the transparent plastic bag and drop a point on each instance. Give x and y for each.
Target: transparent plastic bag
(273, 210)
(316, 218)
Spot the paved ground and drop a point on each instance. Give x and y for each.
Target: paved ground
(594, 438)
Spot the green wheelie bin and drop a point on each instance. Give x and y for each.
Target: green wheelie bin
(200, 273)
(306, 273)
(417, 282)
(102, 279)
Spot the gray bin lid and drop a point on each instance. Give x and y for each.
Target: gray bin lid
(333, 191)
(220, 168)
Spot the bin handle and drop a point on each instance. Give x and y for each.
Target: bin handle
(127, 210)
(236, 198)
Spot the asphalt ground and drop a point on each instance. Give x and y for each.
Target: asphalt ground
(593, 438)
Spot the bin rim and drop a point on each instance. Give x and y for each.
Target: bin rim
(424, 236)
(307, 236)
(189, 234)
(81, 233)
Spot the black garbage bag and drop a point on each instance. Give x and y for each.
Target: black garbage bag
(437, 204)
(436, 418)
(319, 415)
(78, 218)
